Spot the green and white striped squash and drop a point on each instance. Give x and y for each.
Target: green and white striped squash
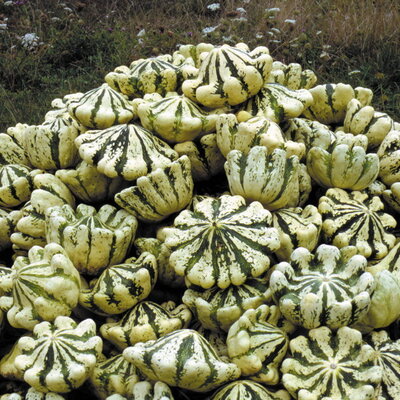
(101, 108)
(310, 133)
(350, 140)
(16, 184)
(245, 389)
(391, 196)
(256, 346)
(221, 242)
(93, 240)
(385, 302)
(146, 321)
(364, 120)
(8, 221)
(279, 103)
(166, 273)
(387, 354)
(195, 52)
(343, 166)
(88, 184)
(145, 390)
(297, 227)
(48, 192)
(218, 309)
(175, 118)
(113, 375)
(216, 339)
(30, 394)
(204, 155)
(11, 148)
(43, 286)
(129, 151)
(271, 178)
(121, 286)
(326, 288)
(51, 145)
(5, 274)
(229, 75)
(184, 359)
(292, 76)
(242, 132)
(330, 102)
(159, 194)
(331, 366)
(150, 75)
(59, 356)
(355, 219)
(8, 370)
(389, 158)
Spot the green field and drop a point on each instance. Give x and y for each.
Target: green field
(79, 42)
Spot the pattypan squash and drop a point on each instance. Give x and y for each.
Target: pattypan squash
(51, 145)
(270, 178)
(48, 191)
(184, 359)
(326, 288)
(159, 194)
(369, 230)
(195, 52)
(330, 103)
(16, 184)
(113, 375)
(218, 309)
(229, 75)
(93, 240)
(175, 118)
(166, 273)
(292, 76)
(146, 321)
(129, 151)
(8, 221)
(121, 286)
(205, 157)
(43, 286)
(344, 166)
(297, 227)
(236, 134)
(245, 389)
(326, 365)
(256, 346)
(11, 148)
(365, 120)
(8, 369)
(387, 353)
(308, 132)
(145, 390)
(221, 242)
(391, 196)
(88, 184)
(278, 103)
(150, 75)
(389, 158)
(59, 356)
(101, 108)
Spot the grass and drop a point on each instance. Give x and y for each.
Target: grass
(80, 42)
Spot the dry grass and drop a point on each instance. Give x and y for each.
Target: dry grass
(333, 37)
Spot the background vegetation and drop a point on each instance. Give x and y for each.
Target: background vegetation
(73, 44)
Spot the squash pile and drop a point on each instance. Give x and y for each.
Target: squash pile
(210, 224)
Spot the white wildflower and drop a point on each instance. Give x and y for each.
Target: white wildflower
(214, 6)
(140, 41)
(209, 29)
(355, 72)
(259, 35)
(67, 9)
(275, 30)
(275, 41)
(290, 21)
(8, 3)
(141, 33)
(272, 10)
(240, 19)
(241, 10)
(246, 1)
(318, 32)
(3, 27)
(30, 41)
(55, 19)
